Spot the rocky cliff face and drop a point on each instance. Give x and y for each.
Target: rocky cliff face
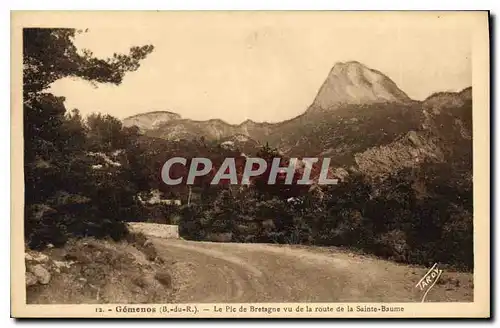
(445, 134)
(350, 83)
(408, 151)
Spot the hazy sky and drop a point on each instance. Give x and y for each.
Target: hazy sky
(263, 66)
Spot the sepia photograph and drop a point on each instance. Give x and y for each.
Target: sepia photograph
(250, 164)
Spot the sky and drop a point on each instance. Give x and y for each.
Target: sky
(264, 66)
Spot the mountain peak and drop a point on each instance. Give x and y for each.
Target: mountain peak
(353, 64)
(354, 83)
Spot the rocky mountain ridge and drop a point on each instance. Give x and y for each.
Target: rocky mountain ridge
(359, 118)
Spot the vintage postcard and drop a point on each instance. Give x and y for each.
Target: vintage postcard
(279, 164)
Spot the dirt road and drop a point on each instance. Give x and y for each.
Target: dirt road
(231, 272)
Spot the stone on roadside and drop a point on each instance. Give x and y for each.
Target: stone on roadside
(31, 279)
(62, 264)
(42, 275)
(36, 256)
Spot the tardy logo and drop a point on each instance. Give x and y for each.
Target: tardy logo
(429, 280)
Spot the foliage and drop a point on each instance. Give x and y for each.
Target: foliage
(418, 216)
(77, 200)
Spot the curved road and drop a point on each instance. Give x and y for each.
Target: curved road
(231, 272)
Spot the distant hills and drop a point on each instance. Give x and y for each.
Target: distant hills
(360, 118)
(150, 120)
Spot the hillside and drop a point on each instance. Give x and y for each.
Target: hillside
(359, 118)
(405, 167)
(91, 271)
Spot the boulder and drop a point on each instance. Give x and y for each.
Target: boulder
(42, 274)
(36, 257)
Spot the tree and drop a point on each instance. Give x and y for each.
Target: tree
(54, 141)
(49, 54)
(105, 132)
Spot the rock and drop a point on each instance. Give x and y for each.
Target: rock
(42, 275)
(147, 243)
(381, 161)
(413, 137)
(36, 256)
(30, 279)
(41, 258)
(62, 264)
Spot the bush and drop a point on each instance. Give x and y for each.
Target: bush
(390, 220)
